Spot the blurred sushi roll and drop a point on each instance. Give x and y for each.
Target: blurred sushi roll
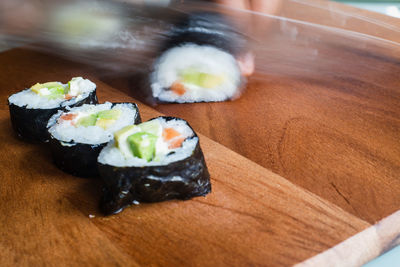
(83, 25)
(203, 60)
(31, 109)
(78, 134)
(157, 160)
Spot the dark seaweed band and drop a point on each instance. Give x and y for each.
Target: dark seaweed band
(183, 179)
(30, 124)
(206, 28)
(77, 158)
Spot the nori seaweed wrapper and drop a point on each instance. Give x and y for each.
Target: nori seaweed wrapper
(30, 124)
(79, 159)
(183, 179)
(206, 28)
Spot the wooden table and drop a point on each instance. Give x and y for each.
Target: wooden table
(304, 160)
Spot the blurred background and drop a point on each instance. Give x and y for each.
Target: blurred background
(21, 18)
(390, 8)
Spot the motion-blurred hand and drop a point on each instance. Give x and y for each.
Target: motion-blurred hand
(246, 61)
(263, 6)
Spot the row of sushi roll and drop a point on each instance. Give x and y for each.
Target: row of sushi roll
(202, 59)
(153, 161)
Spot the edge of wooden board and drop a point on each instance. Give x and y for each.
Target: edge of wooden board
(214, 150)
(370, 243)
(282, 205)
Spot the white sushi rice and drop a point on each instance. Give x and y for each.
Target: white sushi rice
(64, 131)
(31, 100)
(206, 59)
(111, 155)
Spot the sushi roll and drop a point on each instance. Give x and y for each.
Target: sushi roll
(31, 109)
(77, 135)
(157, 160)
(203, 60)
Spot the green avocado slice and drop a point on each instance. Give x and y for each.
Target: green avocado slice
(143, 145)
(54, 89)
(201, 79)
(105, 123)
(102, 119)
(111, 114)
(86, 121)
(121, 137)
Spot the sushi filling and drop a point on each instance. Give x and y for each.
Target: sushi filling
(155, 142)
(193, 73)
(91, 124)
(53, 94)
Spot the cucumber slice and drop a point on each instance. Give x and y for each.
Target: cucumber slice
(73, 86)
(154, 127)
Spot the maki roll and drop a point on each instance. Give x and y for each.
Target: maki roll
(157, 160)
(203, 60)
(78, 134)
(31, 109)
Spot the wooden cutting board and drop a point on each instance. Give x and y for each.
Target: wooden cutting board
(323, 111)
(252, 216)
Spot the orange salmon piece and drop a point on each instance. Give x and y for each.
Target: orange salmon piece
(176, 143)
(178, 88)
(68, 97)
(170, 133)
(68, 117)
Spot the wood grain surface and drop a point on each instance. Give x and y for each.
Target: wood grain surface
(343, 148)
(381, 238)
(252, 216)
(323, 112)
